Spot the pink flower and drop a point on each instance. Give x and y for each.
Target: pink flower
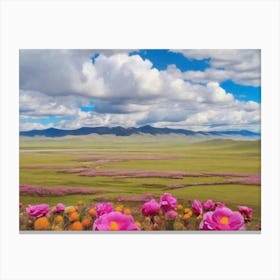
(246, 213)
(59, 208)
(220, 204)
(197, 207)
(38, 210)
(20, 205)
(103, 208)
(114, 221)
(171, 214)
(222, 219)
(150, 208)
(208, 205)
(167, 202)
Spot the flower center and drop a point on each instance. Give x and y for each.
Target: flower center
(113, 226)
(224, 221)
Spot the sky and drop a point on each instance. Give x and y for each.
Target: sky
(199, 89)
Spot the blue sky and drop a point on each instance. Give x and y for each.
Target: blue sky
(161, 59)
(190, 89)
(241, 92)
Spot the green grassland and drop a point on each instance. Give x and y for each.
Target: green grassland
(42, 161)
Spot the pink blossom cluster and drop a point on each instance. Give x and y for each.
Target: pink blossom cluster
(211, 215)
(38, 211)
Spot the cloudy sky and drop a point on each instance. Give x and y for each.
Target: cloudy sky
(190, 89)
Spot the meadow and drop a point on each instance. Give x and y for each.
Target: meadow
(131, 170)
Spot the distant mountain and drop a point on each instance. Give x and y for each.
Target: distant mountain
(147, 129)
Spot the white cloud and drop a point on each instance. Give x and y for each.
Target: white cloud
(128, 91)
(36, 104)
(241, 66)
(25, 126)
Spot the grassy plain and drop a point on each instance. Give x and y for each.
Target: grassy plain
(43, 162)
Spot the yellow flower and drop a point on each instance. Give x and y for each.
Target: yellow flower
(114, 226)
(76, 226)
(42, 224)
(119, 208)
(74, 217)
(188, 211)
(58, 228)
(70, 209)
(127, 211)
(58, 219)
(80, 203)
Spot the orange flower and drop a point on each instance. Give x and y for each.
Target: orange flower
(80, 203)
(42, 224)
(119, 208)
(127, 211)
(70, 209)
(180, 207)
(186, 217)
(58, 228)
(92, 212)
(58, 219)
(188, 211)
(74, 217)
(76, 226)
(86, 222)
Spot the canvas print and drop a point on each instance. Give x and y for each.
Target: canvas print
(140, 140)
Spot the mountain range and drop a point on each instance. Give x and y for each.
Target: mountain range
(147, 129)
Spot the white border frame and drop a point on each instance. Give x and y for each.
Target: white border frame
(133, 24)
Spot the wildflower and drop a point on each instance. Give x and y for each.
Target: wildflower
(58, 219)
(222, 218)
(70, 209)
(74, 217)
(186, 217)
(150, 208)
(208, 205)
(180, 207)
(20, 205)
(80, 203)
(58, 228)
(197, 207)
(167, 202)
(76, 226)
(171, 214)
(114, 221)
(127, 211)
(220, 204)
(37, 211)
(59, 208)
(92, 212)
(103, 208)
(119, 208)
(86, 222)
(42, 224)
(188, 211)
(246, 212)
